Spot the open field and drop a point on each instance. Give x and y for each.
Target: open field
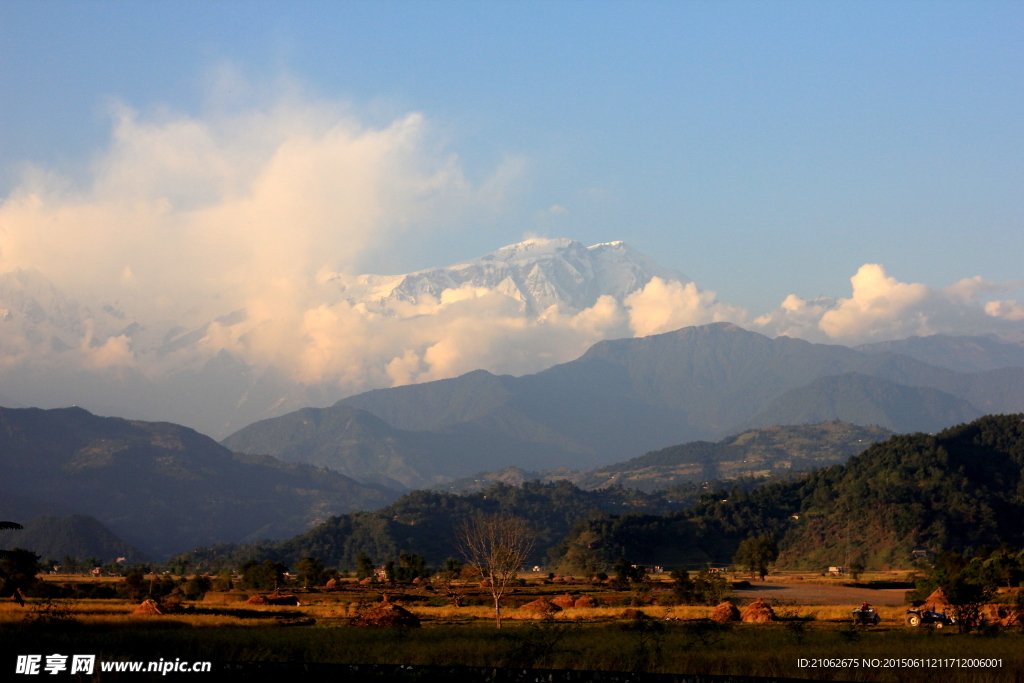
(698, 647)
(814, 623)
(808, 593)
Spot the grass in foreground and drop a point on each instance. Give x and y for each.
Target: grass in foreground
(656, 646)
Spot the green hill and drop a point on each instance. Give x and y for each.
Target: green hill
(959, 488)
(425, 522)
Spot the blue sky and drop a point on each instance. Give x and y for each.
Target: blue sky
(763, 148)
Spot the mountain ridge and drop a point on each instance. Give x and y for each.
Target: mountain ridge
(625, 397)
(162, 487)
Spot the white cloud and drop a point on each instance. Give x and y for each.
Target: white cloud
(883, 308)
(665, 306)
(241, 207)
(186, 218)
(1007, 310)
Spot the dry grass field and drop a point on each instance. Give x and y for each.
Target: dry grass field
(673, 639)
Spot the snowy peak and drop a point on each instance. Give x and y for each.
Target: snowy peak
(536, 247)
(538, 273)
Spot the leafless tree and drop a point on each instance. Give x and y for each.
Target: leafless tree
(497, 545)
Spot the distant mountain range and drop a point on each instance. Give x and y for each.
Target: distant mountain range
(160, 487)
(625, 397)
(964, 354)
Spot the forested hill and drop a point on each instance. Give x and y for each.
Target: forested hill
(960, 488)
(773, 453)
(425, 522)
(963, 487)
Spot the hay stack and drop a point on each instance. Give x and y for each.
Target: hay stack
(365, 582)
(937, 601)
(541, 606)
(725, 611)
(564, 601)
(417, 580)
(331, 584)
(387, 614)
(758, 612)
(257, 600)
(149, 607)
(486, 583)
(585, 601)
(630, 613)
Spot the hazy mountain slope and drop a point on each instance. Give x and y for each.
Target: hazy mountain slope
(20, 508)
(77, 536)
(964, 354)
(163, 487)
(694, 383)
(623, 397)
(996, 391)
(629, 396)
(765, 453)
(861, 399)
(436, 404)
(353, 442)
(364, 447)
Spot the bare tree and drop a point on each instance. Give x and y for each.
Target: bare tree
(497, 545)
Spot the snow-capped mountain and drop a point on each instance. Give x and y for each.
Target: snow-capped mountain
(538, 273)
